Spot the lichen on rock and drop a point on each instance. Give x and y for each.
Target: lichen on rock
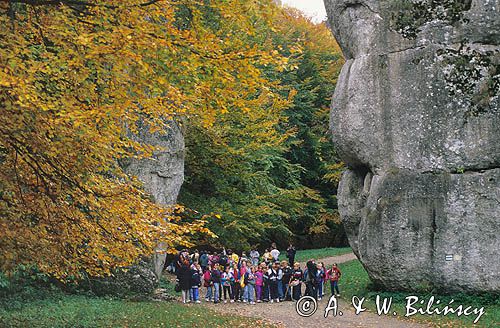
(408, 17)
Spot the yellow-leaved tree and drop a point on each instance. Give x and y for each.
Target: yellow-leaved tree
(75, 77)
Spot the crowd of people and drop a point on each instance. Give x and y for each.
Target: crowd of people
(229, 277)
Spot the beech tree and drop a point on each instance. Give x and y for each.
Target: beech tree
(75, 76)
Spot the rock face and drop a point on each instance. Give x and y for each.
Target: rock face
(137, 280)
(163, 174)
(416, 118)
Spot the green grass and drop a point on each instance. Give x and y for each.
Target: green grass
(307, 254)
(61, 310)
(355, 281)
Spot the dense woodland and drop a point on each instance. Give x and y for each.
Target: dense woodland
(250, 82)
(272, 173)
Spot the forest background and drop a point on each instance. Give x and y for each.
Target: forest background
(250, 82)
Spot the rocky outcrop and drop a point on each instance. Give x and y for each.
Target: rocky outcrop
(138, 280)
(162, 176)
(416, 118)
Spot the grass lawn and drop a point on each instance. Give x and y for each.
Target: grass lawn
(355, 281)
(307, 254)
(60, 310)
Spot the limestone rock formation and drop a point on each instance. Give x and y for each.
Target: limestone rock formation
(138, 280)
(162, 176)
(416, 118)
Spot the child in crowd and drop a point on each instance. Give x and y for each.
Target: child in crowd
(259, 282)
(296, 281)
(215, 258)
(196, 275)
(281, 291)
(230, 260)
(287, 275)
(216, 279)
(226, 279)
(333, 275)
(320, 277)
(211, 260)
(243, 270)
(324, 277)
(250, 285)
(207, 282)
(236, 282)
(265, 282)
(204, 261)
(273, 282)
(243, 259)
(195, 257)
(223, 261)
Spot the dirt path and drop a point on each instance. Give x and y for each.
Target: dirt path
(285, 314)
(338, 259)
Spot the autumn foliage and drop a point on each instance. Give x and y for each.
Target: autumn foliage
(272, 172)
(75, 78)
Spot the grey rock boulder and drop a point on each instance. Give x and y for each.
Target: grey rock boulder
(162, 176)
(416, 118)
(163, 173)
(135, 281)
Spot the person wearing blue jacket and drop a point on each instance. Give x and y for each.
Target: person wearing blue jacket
(196, 274)
(215, 276)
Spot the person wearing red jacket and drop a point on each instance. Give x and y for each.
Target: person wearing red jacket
(236, 283)
(333, 275)
(207, 282)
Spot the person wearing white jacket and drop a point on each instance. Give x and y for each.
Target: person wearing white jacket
(275, 253)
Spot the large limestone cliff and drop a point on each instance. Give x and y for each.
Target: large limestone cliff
(162, 175)
(416, 117)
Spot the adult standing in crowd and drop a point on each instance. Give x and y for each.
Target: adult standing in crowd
(290, 254)
(275, 253)
(310, 278)
(267, 257)
(204, 261)
(184, 277)
(254, 257)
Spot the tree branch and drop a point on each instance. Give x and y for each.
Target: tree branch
(76, 2)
